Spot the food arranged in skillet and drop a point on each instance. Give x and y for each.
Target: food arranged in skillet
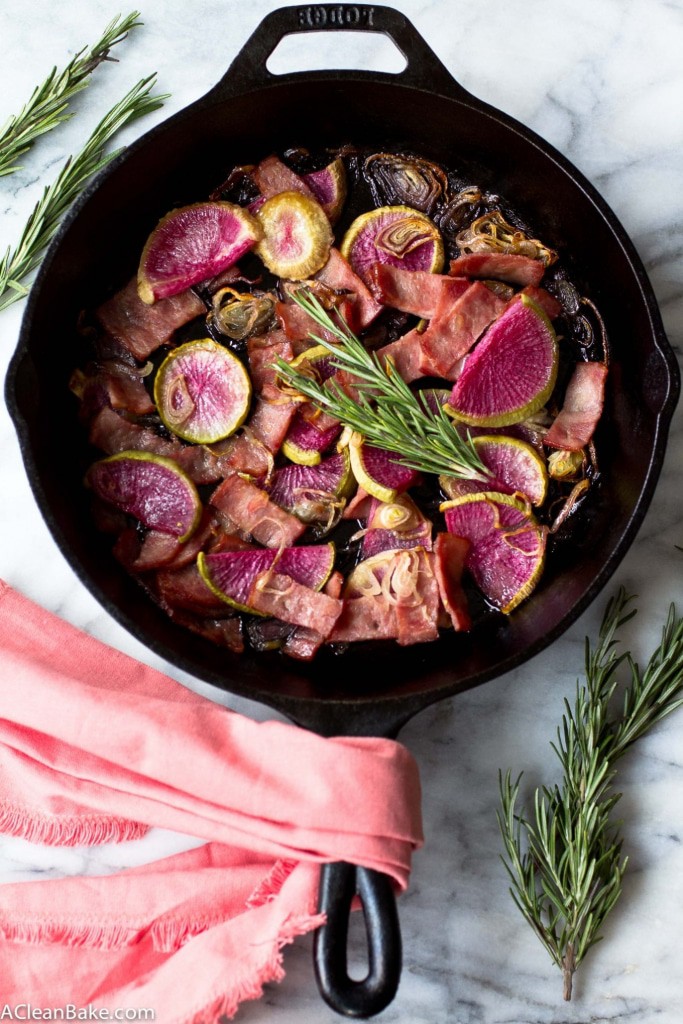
(346, 398)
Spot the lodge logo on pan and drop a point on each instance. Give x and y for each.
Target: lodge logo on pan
(321, 17)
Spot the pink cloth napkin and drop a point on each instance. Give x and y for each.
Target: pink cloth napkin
(96, 747)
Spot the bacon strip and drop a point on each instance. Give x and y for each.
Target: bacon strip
(413, 291)
(406, 354)
(502, 266)
(253, 511)
(455, 328)
(278, 595)
(112, 433)
(583, 404)
(304, 643)
(262, 351)
(450, 553)
(337, 274)
(273, 177)
(141, 328)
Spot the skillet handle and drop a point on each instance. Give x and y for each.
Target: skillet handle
(339, 883)
(423, 69)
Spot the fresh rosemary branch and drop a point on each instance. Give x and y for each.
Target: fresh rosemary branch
(43, 222)
(48, 104)
(565, 859)
(387, 413)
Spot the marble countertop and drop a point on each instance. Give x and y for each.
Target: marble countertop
(603, 82)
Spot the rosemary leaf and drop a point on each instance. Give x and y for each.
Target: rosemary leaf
(387, 414)
(565, 860)
(47, 106)
(43, 222)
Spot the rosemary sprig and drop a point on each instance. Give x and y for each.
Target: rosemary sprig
(43, 222)
(565, 860)
(387, 413)
(47, 106)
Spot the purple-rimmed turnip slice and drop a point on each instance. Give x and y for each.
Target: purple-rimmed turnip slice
(378, 471)
(396, 525)
(392, 234)
(305, 444)
(191, 244)
(507, 545)
(231, 575)
(512, 371)
(329, 188)
(515, 468)
(313, 493)
(202, 392)
(150, 487)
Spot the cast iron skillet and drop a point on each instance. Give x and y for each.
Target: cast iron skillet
(249, 114)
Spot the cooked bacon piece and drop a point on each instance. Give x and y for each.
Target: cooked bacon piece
(583, 402)
(449, 561)
(299, 327)
(359, 506)
(112, 433)
(142, 328)
(502, 266)
(185, 589)
(226, 632)
(413, 291)
(304, 643)
(246, 454)
(409, 616)
(548, 303)
(114, 383)
(161, 550)
(455, 328)
(272, 177)
(270, 422)
(365, 618)
(417, 613)
(338, 275)
(262, 351)
(253, 512)
(280, 596)
(406, 353)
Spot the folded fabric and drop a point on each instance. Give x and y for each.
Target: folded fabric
(96, 747)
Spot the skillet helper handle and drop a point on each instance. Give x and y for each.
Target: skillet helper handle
(339, 883)
(423, 68)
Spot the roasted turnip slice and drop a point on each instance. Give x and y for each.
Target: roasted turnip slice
(191, 244)
(305, 444)
(202, 392)
(231, 575)
(296, 235)
(378, 471)
(515, 468)
(394, 526)
(396, 235)
(329, 188)
(313, 493)
(512, 371)
(150, 487)
(507, 545)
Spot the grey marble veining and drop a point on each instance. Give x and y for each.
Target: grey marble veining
(603, 82)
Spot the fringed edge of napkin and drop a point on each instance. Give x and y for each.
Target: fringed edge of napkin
(167, 933)
(270, 969)
(67, 830)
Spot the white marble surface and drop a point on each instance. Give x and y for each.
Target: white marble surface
(604, 83)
